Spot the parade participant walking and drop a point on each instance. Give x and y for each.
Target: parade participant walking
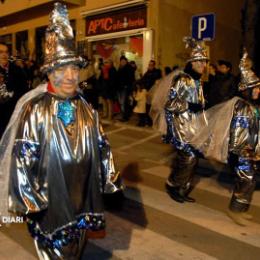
(55, 159)
(229, 133)
(244, 146)
(185, 101)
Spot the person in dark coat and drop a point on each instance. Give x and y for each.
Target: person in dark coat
(148, 80)
(15, 81)
(108, 92)
(125, 79)
(223, 86)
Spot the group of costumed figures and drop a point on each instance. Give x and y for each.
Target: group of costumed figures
(56, 163)
(226, 133)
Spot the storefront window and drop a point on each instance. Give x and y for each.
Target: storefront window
(130, 46)
(39, 43)
(21, 44)
(7, 39)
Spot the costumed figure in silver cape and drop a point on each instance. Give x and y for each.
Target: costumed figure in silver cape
(56, 162)
(244, 150)
(184, 102)
(229, 133)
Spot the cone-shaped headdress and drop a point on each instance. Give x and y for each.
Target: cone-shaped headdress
(198, 52)
(59, 45)
(248, 77)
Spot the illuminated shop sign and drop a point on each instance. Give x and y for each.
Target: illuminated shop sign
(121, 20)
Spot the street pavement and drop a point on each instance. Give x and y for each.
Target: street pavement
(151, 225)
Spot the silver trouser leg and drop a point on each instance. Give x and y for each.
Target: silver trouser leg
(244, 186)
(182, 170)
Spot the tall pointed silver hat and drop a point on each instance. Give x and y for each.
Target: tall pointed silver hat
(198, 51)
(248, 77)
(59, 44)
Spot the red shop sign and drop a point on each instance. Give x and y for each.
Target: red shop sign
(121, 20)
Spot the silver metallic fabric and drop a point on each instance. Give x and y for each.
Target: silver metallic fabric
(7, 143)
(60, 44)
(183, 170)
(73, 250)
(248, 77)
(159, 96)
(59, 169)
(209, 131)
(244, 131)
(244, 146)
(198, 51)
(184, 90)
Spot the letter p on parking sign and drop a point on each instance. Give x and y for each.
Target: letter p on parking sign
(203, 27)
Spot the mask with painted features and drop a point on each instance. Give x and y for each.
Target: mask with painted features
(65, 80)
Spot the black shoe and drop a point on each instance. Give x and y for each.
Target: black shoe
(174, 194)
(189, 199)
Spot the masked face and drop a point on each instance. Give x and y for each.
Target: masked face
(199, 66)
(65, 80)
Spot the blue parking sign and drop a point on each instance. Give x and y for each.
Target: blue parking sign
(203, 27)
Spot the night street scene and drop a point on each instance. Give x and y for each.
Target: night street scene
(129, 129)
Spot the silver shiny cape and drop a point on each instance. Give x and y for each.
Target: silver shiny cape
(231, 126)
(48, 166)
(159, 94)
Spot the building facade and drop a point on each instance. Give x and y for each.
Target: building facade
(139, 29)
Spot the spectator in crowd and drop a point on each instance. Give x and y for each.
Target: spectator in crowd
(37, 77)
(212, 70)
(222, 87)
(136, 72)
(88, 83)
(4, 94)
(139, 95)
(148, 80)
(125, 79)
(15, 81)
(29, 67)
(108, 91)
(175, 67)
(151, 75)
(166, 71)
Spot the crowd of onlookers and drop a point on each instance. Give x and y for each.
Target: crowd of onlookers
(120, 92)
(125, 91)
(115, 92)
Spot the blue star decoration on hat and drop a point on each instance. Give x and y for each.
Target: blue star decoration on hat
(66, 112)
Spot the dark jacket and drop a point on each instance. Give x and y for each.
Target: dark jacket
(125, 78)
(16, 81)
(221, 88)
(150, 77)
